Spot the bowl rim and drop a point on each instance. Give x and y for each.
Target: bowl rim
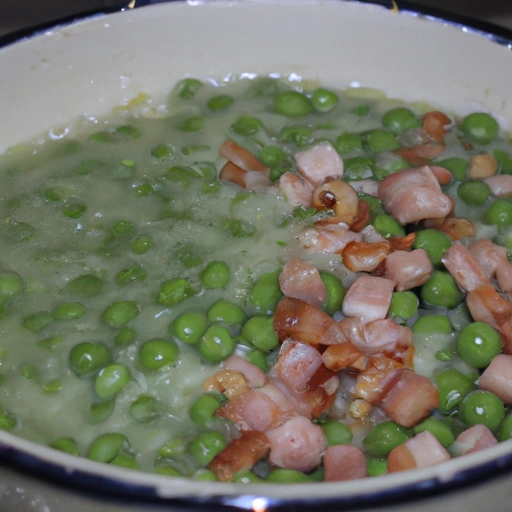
(114, 483)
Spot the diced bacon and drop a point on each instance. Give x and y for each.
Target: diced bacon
(363, 256)
(255, 410)
(242, 158)
(504, 276)
(444, 176)
(227, 382)
(482, 166)
(408, 269)
(300, 280)
(369, 298)
(344, 462)
(297, 444)
(464, 268)
(402, 243)
(330, 239)
(486, 305)
(254, 376)
(414, 194)
(232, 173)
(436, 124)
(475, 438)
(369, 383)
(488, 255)
(239, 455)
(420, 451)
(500, 185)
(320, 393)
(296, 364)
(420, 155)
(497, 377)
(297, 191)
(408, 397)
(343, 356)
(369, 187)
(302, 322)
(257, 181)
(457, 228)
(363, 216)
(371, 235)
(319, 163)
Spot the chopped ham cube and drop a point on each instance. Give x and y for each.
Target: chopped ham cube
(497, 377)
(344, 462)
(368, 298)
(254, 376)
(298, 192)
(464, 268)
(486, 305)
(500, 185)
(408, 269)
(319, 163)
(241, 157)
(473, 439)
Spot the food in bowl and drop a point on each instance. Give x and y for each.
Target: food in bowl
(259, 280)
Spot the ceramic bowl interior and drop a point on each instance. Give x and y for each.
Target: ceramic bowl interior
(90, 66)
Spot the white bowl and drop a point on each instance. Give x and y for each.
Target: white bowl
(90, 66)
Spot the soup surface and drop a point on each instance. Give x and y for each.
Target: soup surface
(259, 280)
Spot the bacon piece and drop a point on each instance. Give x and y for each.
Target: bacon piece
(228, 382)
(363, 256)
(369, 383)
(321, 391)
(408, 397)
(254, 376)
(414, 194)
(497, 377)
(298, 192)
(302, 322)
(420, 451)
(475, 438)
(328, 239)
(464, 268)
(239, 455)
(402, 243)
(233, 173)
(296, 364)
(363, 216)
(492, 258)
(486, 305)
(456, 228)
(318, 163)
(369, 298)
(444, 176)
(344, 462)
(408, 269)
(300, 280)
(297, 444)
(500, 185)
(506, 334)
(242, 158)
(420, 155)
(343, 356)
(482, 166)
(435, 124)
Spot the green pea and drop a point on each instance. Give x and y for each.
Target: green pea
(287, 476)
(161, 151)
(301, 135)
(174, 448)
(191, 124)
(142, 244)
(499, 213)
(304, 214)
(456, 165)
(246, 126)
(216, 344)
(226, 312)
(441, 290)
(400, 119)
(203, 409)
(478, 343)
(359, 168)
(204, 475)
(377, 467)
(239, 228)
(101, 411)
(361, 110)
(57, 193)
(157, 353)
(111, 380)
(381, 140)
(86, 285)
(384, 437)
(266, 292)
(220, 102)
(50, 343)
(324, 100)
(259, 331)
(482, 407)
(434, 242)
(29, 371)
(66, 445)
(505, 431)
(7, 422)
(89, 357)
(403, 305)
(73, 208)
(125, 461)
(129, 275)
(125, 336)
(143, 409)
(444, 355)
(246, 477)
(348, 142)
(438, 428)
(207, 446)
(504, 161)
(107, 446)
(258, 358)
(187, 88)
(453, 387)
(120, 313)
(122, 227)
(336, 433)
(480, 128)
(272, 156)
(128, 131)
(215, 275)
(52, 386)
(292, 104)
(11, 285)
(335, 292)
(189, 326)
(174, 291)
(69, 311)
(474, 192)
(38, 321)
(179, 175)
(387, 226)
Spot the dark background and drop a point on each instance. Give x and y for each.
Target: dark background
(20, 16)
